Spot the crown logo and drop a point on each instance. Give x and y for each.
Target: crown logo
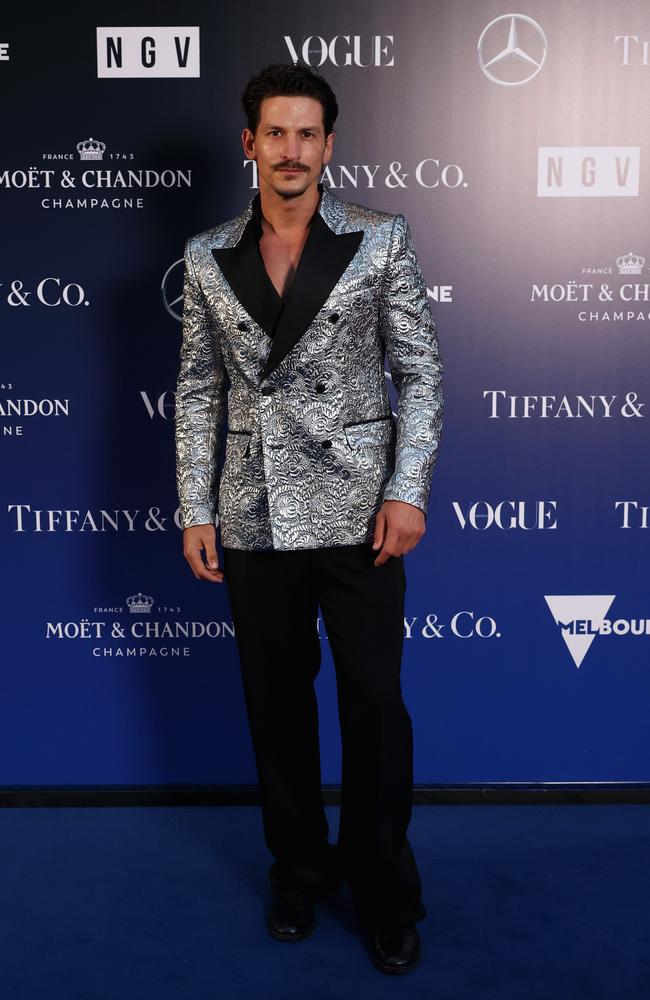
(140, 604)
(91, 149)
(630, 263)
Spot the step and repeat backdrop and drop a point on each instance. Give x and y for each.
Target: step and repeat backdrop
(517, 144)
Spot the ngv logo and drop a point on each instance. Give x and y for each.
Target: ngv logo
(151, 52)
(588, 171)
(581, 618)
(343, 50)
(507, 514)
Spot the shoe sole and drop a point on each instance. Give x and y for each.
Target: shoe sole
(393, 970)
(279, 936)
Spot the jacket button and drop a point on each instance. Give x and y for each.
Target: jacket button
(334, 318)
(320, 387)
(242, 326)
(326, 444)
(267, 390)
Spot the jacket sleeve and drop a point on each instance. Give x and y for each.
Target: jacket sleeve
(200, 407)
(410, 335)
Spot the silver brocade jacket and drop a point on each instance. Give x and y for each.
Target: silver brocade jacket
(312, 447)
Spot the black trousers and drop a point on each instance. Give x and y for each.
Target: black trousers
(274, 599)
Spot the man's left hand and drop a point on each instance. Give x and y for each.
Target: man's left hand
(398, 529)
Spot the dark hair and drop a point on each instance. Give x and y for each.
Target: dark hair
(280, 79)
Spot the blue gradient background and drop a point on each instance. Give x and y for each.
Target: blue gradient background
(507, 709)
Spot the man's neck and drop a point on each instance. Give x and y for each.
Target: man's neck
(288, 216)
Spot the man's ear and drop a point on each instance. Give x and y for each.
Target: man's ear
(329, 144)
(247, 139)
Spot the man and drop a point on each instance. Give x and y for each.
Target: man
(289, 309)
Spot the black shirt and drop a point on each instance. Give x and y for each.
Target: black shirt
(257, 232)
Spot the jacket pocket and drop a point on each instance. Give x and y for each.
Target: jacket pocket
(373, 431)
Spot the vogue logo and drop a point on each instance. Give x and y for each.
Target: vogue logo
(343, 50)
(163, 405)
(507, 514)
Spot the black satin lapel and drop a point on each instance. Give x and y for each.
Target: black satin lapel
(324, 258)
(243, 268)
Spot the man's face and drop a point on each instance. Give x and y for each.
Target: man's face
(290, 135)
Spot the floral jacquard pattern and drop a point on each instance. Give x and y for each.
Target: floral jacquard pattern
(312, 447)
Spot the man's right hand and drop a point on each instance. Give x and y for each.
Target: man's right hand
(195, 539)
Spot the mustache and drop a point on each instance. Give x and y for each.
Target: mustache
(290, 166)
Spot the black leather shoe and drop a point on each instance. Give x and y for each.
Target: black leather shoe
(290, 918)
(395, 947)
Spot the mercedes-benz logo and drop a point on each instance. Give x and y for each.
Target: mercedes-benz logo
(513, 64)
(172, 289)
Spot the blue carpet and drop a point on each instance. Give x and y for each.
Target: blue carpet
(549, 902)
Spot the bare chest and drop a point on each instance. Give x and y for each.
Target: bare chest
(281, 260)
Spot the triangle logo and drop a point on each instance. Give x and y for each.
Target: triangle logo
(579, 618)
